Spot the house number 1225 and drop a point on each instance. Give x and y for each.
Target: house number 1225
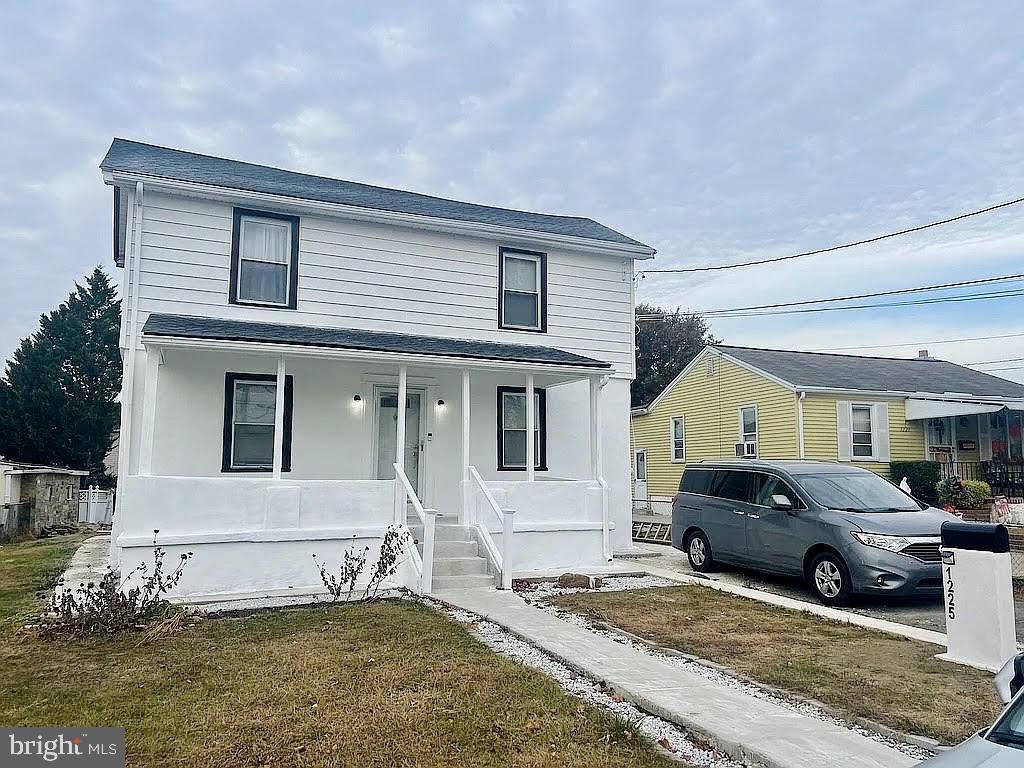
(951, 611)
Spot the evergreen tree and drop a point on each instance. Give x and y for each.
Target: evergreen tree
(664, 348)
(57, 400)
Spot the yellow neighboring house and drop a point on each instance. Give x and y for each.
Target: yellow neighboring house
(869, 411)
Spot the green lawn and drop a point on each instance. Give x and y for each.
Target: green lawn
(882, 677)
(361, 685)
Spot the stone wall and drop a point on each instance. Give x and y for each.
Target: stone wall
(54, 499)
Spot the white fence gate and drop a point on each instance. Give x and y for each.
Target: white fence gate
(95, 506)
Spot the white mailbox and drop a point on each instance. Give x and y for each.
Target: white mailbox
(978, 592)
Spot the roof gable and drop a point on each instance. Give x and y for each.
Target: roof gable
(135, 157)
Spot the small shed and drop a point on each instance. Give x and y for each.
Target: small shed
(50, 493)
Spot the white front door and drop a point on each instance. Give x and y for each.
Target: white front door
(387, 435)
(640, 467)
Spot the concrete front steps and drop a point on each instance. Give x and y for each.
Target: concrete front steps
(457, 562)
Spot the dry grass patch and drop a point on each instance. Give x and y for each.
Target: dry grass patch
(885, 678)
(362, 685)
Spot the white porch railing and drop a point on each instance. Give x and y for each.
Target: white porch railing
(502, 560)
(424, 565)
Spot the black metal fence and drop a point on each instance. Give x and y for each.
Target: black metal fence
(1004, 479)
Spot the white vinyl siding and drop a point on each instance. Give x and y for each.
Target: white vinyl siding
(385, 278)
(863, 431)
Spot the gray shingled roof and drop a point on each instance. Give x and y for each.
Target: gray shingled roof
(814, 369)
(135, 157)
(185, 326)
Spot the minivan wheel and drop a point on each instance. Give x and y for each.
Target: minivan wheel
(830, 579)
(698, 552)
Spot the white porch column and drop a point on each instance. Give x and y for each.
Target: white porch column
(595, 427)
(466, 459)
(531, 417)
(154, 358)
(403, 394)
(279, 419)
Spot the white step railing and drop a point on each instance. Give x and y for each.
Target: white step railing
(429, 519)
(502, 560)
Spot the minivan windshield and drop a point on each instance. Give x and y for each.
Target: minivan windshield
(857, 492)
(1009, 729)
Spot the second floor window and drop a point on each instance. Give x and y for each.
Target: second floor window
(678, 439)
(522, 290)
(264, 259)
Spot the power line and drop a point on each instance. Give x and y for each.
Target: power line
(921, 343)
(895, 292)
(1011, 368)
(993, 362)
(830, 249)
(1009, 294)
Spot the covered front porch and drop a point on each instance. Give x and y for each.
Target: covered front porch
(975, 440)
(256, 454)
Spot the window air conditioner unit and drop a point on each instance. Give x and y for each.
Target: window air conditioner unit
(747, 450)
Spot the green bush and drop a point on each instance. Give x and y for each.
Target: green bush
(963, 495)
(922, 476)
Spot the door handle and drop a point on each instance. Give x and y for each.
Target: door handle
(751, 514)
(738, 512)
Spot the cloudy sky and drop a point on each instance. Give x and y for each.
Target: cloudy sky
(716, 132)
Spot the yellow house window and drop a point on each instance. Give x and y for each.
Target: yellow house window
(678, 440)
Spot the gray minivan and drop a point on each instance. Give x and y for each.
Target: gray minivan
(844, 529)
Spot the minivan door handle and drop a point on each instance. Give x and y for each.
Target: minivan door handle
(751, 514)
(738, 512)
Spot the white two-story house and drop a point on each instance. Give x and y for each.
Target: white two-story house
(308, 361)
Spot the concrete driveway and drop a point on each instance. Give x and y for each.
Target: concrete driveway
(926, 614)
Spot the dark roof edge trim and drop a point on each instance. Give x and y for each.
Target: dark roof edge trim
(588, 365)
(386, 216)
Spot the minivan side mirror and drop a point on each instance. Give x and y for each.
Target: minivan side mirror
(781, 501)
(1010, 679)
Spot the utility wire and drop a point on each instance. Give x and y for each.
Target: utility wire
(1011, 368)
(830, 249)
(1009, 294)
(993, 362)
(921, 343)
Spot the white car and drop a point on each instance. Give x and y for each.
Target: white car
(1001, 745)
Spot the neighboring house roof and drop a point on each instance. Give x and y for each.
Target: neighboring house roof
(25, 468)
(185, 326)
(146, 159)
(875, 374)
(853, 373)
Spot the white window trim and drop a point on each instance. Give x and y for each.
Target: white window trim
(235, 423)
(539, 285)
(287, 262)
(672, 439)
(881, 448)
(739, 423)
(636, 465)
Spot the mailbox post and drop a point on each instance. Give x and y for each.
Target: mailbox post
(978, 592)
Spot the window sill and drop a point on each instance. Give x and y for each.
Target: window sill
(521, 329)
(260, 304)
(250, 470)
(679, 461)
(521, 469)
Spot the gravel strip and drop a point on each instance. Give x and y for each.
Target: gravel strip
(538, 598)
(668, 736)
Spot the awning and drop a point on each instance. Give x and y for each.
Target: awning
(937, 409)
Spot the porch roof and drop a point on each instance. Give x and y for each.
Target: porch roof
(191, 327)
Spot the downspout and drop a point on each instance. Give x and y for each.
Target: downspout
(128, 368)
(800, 422)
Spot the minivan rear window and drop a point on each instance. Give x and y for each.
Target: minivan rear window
(696, 481)
(733, 485)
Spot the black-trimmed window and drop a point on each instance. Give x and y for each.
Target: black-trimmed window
(522, 290)
(512, 429)
(250, 401)
(264, 259)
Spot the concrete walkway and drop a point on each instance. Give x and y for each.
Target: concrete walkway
(89, 563)
(749, 729)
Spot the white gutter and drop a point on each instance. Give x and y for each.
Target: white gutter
(128, 375)
(301, 350)
(800, 422)
(210, 191)
(955, 397)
